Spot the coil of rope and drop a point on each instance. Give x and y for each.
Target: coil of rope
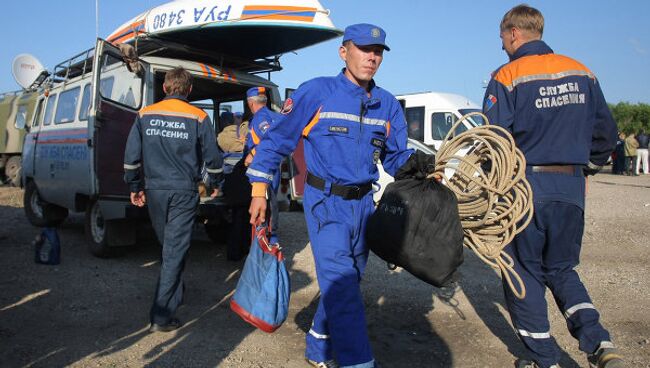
(486, 171)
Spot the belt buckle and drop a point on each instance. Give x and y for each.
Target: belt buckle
(356, 191)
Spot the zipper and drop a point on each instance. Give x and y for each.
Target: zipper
(361, 112)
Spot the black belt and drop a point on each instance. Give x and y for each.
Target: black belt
(557, 169)
(344, 191)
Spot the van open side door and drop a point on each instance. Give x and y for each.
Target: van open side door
(118, 95)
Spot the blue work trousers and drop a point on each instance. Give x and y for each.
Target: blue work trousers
(337, 234)
(172, 214)
(545, 255)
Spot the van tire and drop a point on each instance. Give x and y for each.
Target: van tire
(12, 170)
(40, 213)
(98, 232)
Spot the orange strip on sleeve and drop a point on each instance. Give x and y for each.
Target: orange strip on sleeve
(314, 121)
(258, 189)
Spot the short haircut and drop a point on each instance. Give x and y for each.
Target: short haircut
(525, 18)
(178, 81)
(260, 99)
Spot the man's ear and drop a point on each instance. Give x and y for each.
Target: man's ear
(190, 91)
(343, 53)
(164, 89)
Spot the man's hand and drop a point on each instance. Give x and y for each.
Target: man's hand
(215, 193)
(248, 160)
(257, 210)
(138, 199)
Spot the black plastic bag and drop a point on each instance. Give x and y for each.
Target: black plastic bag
(417, 227)
(236, 187)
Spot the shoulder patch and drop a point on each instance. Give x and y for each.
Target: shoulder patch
(264, 126)
(288, 106)
(490, 101)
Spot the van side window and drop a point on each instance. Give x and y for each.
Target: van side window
(21, 117)
(415, 122)
(125, 86)
(67, 106)
(85, 103)
(49, 109)
(441, 122)
(39, 113)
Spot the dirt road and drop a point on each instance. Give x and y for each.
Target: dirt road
(93, 312)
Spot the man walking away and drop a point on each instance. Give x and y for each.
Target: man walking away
(170, 140)
(556, 112)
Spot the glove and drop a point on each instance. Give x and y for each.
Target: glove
(418, 166)
(591, 169)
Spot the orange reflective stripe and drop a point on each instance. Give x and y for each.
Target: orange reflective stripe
(539, 67)
(314, 121)
(387, 129)
(256, 139)
(253, 152)
(174, 107)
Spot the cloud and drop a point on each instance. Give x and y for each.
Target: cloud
(637, 46)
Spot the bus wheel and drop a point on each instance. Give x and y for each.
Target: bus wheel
(12, 170)
(40, 213)
(98, 231)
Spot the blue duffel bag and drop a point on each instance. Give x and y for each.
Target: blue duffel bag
(263, 290)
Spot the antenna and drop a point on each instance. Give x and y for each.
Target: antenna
(96, 19)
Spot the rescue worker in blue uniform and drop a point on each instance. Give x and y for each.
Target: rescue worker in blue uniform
(556, 112)
(348, 124)
(171, 140)
(260, 123)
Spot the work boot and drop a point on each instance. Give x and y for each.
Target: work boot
(606, 357)
(523, 363)
(326, 364)
(172, 325)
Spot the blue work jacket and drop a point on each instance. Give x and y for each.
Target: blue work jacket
(345, 131)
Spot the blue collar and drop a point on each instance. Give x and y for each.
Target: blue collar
(536, 47)
(176, 97)
(353, 88)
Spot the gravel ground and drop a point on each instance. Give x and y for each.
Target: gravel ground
(90, 312)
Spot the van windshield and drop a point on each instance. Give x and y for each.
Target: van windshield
(476, 120)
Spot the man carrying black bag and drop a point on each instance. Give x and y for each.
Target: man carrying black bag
(416, 225)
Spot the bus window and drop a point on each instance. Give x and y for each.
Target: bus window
(85, 103)
(49, 109)
(67, 106)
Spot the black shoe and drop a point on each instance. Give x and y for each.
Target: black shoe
(172, 325)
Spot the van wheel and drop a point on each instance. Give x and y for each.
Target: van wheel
(12, 170)
(98, 231)
(40, 213)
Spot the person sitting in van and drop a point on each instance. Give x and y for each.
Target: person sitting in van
(233, 136)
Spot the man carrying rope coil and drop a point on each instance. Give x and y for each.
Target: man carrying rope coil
(556, 112)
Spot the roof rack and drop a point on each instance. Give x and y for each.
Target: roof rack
(75, 66)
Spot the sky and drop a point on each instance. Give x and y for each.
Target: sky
(436, 45)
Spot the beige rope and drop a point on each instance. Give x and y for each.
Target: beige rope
(494, 205)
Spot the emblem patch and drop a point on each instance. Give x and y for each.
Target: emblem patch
(264, 126)
(490, 101)
(338, 129)
(287, 107)
(375, 32)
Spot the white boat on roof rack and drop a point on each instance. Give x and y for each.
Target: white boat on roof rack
(231, 33)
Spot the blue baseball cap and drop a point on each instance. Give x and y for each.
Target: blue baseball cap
(364, 34)
(256, 91)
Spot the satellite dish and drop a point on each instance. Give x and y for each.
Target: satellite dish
(27, 70)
